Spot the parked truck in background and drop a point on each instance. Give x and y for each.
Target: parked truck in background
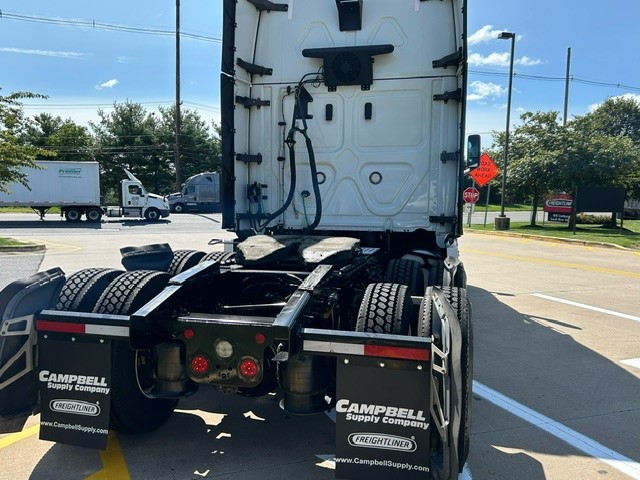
(74, 187)
(343, 142)
(200, 193)
(632, 209)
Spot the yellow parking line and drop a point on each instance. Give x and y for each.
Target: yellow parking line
(114, 466)
(555, 262)
(16, 437)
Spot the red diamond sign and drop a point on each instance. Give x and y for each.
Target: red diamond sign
(486, 172)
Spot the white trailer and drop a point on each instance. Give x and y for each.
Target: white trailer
(75, 188)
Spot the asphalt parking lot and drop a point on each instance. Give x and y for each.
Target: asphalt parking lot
(557, 373)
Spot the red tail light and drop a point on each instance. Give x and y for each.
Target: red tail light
(200, 364)
(248, 368)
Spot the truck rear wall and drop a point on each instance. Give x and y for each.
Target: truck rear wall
(57, 184)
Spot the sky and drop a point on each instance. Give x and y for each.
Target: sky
(86, 55)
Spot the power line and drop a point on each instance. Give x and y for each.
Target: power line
(546, 78)
(195, 36)
(105, 26)
(81, 106)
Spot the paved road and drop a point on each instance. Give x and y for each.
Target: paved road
(557, 375)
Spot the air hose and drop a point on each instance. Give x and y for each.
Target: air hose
(292, 162)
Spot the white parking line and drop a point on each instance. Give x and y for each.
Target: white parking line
(634, 362)
(588, 307)
(573, 438)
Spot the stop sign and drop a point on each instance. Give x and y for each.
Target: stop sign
(470, 195)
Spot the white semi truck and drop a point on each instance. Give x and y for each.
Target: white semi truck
(343, 142)
(74, 187)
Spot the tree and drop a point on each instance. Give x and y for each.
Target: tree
(615, 117)
(533, 151)
(127, 138)
(598, 161)
(14, 154)
(199, 144)
(131, 137)
(70, 141)
(611, 138)
(595, 150)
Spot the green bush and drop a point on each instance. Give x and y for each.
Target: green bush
(586, 219)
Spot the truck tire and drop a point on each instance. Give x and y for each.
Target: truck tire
(184, 260)
(82, 290)
(406, 272)
(385, 308)
(93, 215)
(436, 274)
(131, 410)
(178, 208)
(458, 299)
(152, 214)
(72, 214)
(222, 257)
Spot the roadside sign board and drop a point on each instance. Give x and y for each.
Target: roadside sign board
(558, 207)
(486, 172)
(558, 203)
(471, 195)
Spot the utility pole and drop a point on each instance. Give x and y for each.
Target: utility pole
(566, 88)
(177, 145)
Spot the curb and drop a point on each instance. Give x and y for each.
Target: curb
(542, 238)
(23, 248)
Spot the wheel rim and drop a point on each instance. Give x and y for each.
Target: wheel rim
(93, 215)
(73, 214)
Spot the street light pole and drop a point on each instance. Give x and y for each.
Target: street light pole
(178, 115)
(504, 223)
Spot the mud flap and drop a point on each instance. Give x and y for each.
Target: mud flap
(75, 389)
(383, 399)
(19, 301)
(382, 420)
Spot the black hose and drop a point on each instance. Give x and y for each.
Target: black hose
(316, 186)
(292, 162)
(292, 186)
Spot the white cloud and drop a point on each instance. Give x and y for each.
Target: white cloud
(529, 62)
(493, 59)
(485, 34)
(501, 60)
(626, 96)
(125, 59)
(108, 84)
(45, 53)
(482, 90)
